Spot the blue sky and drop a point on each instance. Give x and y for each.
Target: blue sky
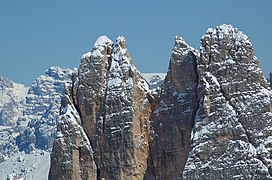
(37, 34)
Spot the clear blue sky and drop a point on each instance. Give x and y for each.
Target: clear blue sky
(37, 34)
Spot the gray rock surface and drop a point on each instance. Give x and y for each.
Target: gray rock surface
(174, 115)
(233, 126)
(210, 119)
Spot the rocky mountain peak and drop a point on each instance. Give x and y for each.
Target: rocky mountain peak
(210, 119)
(183, 59)
(181, 44)
(102, 41)
(58, 73)
(111, 99)
(121, 42)
(223, 43)
(174, 115)
(5, 83)
(102, 46)
(231, 86)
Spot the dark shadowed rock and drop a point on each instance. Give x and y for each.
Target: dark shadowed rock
(174, 115)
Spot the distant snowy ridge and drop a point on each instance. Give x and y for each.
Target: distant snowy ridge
(41, 111)
(12, 99)
(33, 114)
(154, 80)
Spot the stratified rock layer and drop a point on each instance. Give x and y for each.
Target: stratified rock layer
(174, 115)
(232, 133)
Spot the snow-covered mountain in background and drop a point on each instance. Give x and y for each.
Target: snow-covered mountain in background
(208, 118)
(12, 99)
(28, 119)
(42, 109)
(154, 80)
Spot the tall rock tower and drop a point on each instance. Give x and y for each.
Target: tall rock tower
(210, 119)
(174, 115)
(108, 101)
(233, 125)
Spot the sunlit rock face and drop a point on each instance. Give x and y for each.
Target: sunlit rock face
(209, 119)
(111, 100)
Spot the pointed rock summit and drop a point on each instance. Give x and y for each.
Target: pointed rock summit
(174, 115)
(233, 125)
(111, 100)
(210, 118)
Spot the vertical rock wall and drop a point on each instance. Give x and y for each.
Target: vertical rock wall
(232, 133)
(111, 99)
(174, 117)
(211, 119)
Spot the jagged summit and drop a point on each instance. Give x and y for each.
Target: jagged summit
(111, 98)
(113, 126)
(102, 41)
(210, 119)
(224, 30)
(226, 44)
(42, 109)
(29, 117)
(232, 131)
(182, 45)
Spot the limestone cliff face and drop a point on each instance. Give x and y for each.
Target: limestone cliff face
(210, 119)
(111, 99)
(174, 115)
(232, 133)
(72, 155)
